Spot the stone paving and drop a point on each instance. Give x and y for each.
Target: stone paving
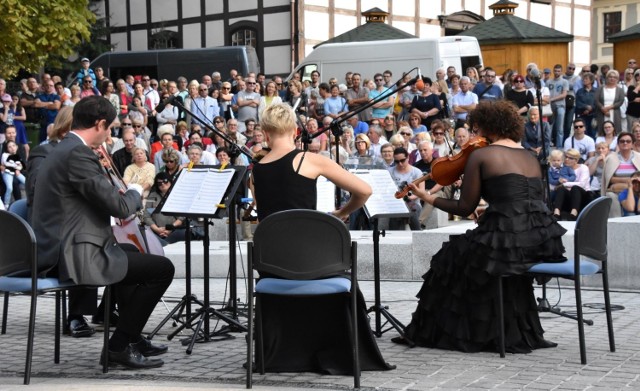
(218, 365)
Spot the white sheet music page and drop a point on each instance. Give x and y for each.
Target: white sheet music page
(382, 201)
(326, 191)
(198, 191)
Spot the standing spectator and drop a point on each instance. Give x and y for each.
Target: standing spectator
(357, 96)
(335, 104)
(12, 114)
(520, 96)
(125, 98)
(270, 97)
(85, 71)
(169, 115)
(28, 101)
(609, 98)
(558, 89)
(426, 105)
(571, 78)
(386, 75)
(384, 107)
(633, 99)
(108, 91)
(463, 102)
(204, 107)
(586, 103)
(49, 104)
(248, 103)
(488, 90)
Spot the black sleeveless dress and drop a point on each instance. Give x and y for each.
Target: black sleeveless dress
(308, 334)
(458, 302)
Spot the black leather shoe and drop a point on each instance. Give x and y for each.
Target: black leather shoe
(148, 349)
(131, 357)
(79, 328)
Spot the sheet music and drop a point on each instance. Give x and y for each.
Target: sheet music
(382, 201)
(326, 195)
(198, 191)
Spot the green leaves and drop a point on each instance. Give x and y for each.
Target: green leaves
(36, 30)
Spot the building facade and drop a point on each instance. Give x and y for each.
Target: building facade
(610, 17)
(284, 31)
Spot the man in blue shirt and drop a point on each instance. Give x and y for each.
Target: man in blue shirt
(49, 104)
(488, 90)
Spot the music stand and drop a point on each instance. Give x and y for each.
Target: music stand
(382, 204)
(200, 192)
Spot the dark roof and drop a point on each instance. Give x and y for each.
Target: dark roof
(372, 31)
(512, 29)
(632, 32)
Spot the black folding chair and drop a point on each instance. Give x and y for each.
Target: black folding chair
(19, 274)
(590, 240)
(301, 252)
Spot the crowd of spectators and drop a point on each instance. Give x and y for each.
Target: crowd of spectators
(569, 111)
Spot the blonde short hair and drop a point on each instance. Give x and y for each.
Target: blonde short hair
(278, 118)
(555, 154)
(365, 138)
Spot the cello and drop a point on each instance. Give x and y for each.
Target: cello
(447, 169)
(130, 230)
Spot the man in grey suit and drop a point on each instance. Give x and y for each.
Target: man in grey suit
(72, 210)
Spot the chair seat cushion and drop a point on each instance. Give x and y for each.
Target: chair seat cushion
(277, 286)
(23, 284)
(565, 268)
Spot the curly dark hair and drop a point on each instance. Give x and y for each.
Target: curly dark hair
(497, 120)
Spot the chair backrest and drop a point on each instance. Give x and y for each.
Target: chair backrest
(590, 237)
(301, 245)
(17, 245)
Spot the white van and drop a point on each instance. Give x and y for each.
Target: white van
(397, 55)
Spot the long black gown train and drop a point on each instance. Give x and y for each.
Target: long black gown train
(458, 307)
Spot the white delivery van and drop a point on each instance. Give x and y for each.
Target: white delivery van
(397, 55)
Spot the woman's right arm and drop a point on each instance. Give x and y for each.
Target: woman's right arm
(629, 203)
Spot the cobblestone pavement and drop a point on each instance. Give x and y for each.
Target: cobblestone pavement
(218, 365)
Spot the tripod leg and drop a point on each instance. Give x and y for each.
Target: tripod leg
(203, 316)
(186, 324)
(178, 308)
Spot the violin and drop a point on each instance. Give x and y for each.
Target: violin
(447, 169)
(129, 230)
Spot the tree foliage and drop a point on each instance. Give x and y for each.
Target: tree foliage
(37, 32)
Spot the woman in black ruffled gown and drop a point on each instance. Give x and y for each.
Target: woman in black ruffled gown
(458, 307)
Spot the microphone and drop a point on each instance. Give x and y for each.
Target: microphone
(419, 82)
(536, 77)
(170, 100)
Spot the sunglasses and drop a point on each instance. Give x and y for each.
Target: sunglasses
(400, 161)
(405, 134)
(518, 81)
(170, 161)
(218, 122)
(378, 79)
(225, 88)
(87, 81)
(125, 124)
(250, 83)
(203, 89)
(570, 158)
(146, 79)
(625, 141)
(571, 68)
(578, 126)
(137, 126)
(438, 134)
(162, 182)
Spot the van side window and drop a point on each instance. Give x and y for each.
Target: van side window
(305, 73)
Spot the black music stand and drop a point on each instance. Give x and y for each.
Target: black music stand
(382, 204)
(210, 187)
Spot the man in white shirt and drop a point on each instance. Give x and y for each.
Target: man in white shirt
(204, 107)
(248, 102)
(580, 141)
(463, 102)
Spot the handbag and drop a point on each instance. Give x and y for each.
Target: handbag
(546, 111)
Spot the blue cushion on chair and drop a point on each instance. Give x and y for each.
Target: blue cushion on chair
(23, 284)
(565, 268)
(277, 286)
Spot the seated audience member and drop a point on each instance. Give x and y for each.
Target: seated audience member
(596, 166)
(617, 170)
(169, 229)
(172, 162)
(558, 172)
(572, 196)
(580, 141)
(140, 171)
(629, 196)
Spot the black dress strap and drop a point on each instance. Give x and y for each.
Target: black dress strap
(300, 164)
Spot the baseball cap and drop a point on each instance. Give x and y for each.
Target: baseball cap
(84, 59)
(6, 98)
(547, 70)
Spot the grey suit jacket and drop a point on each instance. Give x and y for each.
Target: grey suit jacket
(73, 202)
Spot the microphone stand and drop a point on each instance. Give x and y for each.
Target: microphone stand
(235, 150)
